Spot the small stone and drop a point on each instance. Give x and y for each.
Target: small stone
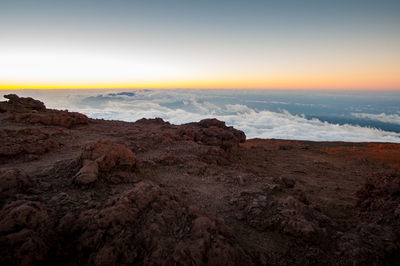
(88, 173)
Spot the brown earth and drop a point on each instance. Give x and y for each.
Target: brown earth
(79, 191)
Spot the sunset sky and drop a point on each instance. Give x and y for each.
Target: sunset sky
(295, 44)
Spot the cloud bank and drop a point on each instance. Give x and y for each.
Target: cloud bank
(179, 107)
(382, 117)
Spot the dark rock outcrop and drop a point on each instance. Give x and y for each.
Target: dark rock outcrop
(25, 230)
(33, 111)
(20, 104)
(13, 181)
(24, 142)
(80, 191)
(54, 118)
(173, 233)
(213, 132)
(112, 161)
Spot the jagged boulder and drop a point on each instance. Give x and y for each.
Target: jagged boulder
(88, 173)
(20, 104)
(56, 118)
(109, 155)
(106, 159)
(33, 111)
(213, 132)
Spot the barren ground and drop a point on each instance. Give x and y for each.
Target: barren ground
(78, 191)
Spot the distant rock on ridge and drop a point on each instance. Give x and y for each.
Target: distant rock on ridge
(34, 111)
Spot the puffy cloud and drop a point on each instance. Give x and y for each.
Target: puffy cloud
(386, 118)
(237, 109)
(266, 124)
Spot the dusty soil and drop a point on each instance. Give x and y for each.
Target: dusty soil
(78, 191)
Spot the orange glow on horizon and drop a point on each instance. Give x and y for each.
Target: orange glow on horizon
(300, 83)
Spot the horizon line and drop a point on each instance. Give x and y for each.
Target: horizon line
(192, 88)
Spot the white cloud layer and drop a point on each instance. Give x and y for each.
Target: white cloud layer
(382, 117)
(180, 107)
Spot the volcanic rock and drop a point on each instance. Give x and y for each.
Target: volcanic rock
(24, 141)
(214, 133)
(54, 118)
(113, 161)
(24, 229)
(20, 104)
(81, 191)
(109, 155)
(35, 112)
(13, 181)
(88, 173)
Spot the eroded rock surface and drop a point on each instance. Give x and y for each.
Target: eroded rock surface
(53, 118)
(13, 181)
(80, 191)
(32, 111)
(112, 161)
(20, 104)
(24, 230)
(25, 142)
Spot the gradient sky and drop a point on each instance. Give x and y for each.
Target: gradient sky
(200, 44)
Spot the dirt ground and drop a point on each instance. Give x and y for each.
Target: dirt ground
(78, 191)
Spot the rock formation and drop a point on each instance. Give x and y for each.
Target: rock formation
(80, 191)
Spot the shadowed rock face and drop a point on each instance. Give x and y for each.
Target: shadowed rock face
(13, 181)
(54, 118)
(20, 105)
(35, 112)
(26, 142)
(78, 191)
(214, 133)
(113, 161)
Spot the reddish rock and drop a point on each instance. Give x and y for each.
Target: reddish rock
(107, 234)
(106, 256)
(149, 121)
(109, 155)
(187, 133)
(297, 219)
(169, 159)
(88, 173)
(35, 112)
(13, 181)
(288, 216)
(380, 185)
(20, 214)
(24, 228)
(285, 181)
(214, 133)
(20, 104)
(368, 244)
(196, 180)
(25, 141)
(53, 118)
(25, 247)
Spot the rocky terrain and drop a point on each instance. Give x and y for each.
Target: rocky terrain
(79, 191)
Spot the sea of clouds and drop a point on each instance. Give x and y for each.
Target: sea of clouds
(184, 106)
(383, 117)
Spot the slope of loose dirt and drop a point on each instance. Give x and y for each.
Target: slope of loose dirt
(78, 191)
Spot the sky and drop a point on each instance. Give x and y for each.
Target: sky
(278, 44)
